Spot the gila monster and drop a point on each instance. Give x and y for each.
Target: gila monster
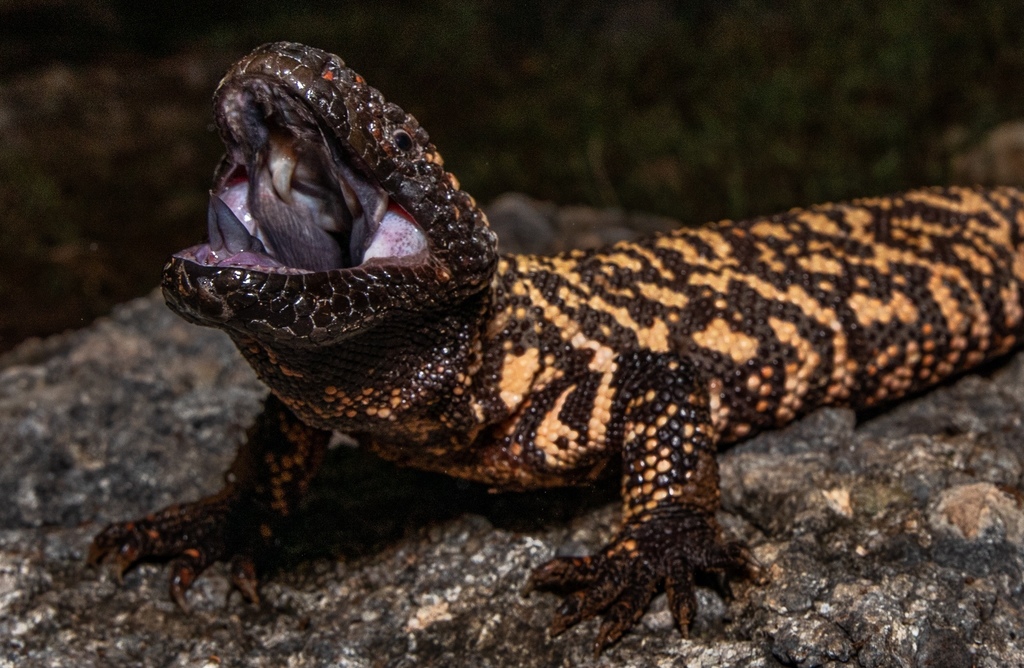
(366, 290)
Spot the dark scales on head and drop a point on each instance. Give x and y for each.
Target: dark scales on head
(364, 287)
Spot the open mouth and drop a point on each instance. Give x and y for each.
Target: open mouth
(289, 199)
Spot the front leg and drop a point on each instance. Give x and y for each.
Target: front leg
(670, 495)
(264, 485)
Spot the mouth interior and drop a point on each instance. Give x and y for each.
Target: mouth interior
(286, 201)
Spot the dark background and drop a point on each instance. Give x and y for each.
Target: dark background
(697, 110)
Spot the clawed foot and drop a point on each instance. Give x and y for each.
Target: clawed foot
(192, 535)
(651, 553)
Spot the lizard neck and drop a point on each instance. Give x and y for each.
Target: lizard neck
(407, 379)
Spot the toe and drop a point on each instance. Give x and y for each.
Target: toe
(682, 600)
(243, 576)
(567, 573)
(184, 571)
(627, 609)
(588, 602)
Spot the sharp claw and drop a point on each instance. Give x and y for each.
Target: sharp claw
(569, 613)
(681, 601)
(620, 581)
(618, 620)
(627, 609)
(192, 535)
(125, 557)
(182, 578)
(181, 601)
(608, 635)
(249, 591)
(99, 549)
(243, 576)
(96, 555)
(107, 540)
(600, 590)
(730, 557)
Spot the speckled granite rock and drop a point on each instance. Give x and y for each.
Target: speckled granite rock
(899, 542)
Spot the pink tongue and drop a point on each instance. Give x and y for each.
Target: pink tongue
(236, 197)
(397, 236)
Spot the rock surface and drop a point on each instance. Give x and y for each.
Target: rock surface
(895, 542)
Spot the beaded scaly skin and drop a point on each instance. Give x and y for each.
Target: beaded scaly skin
(637, 360)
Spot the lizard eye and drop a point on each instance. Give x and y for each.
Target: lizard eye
(402, 140)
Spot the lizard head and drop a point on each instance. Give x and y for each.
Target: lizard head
(330, 209)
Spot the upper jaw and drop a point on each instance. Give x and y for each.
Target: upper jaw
(290, 198)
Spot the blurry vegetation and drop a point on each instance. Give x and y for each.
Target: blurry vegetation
(697, 110)
(694, 110)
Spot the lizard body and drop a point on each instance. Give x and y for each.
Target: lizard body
(366, 290)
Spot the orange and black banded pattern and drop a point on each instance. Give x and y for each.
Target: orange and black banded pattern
(841, 304)
(635, 361)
